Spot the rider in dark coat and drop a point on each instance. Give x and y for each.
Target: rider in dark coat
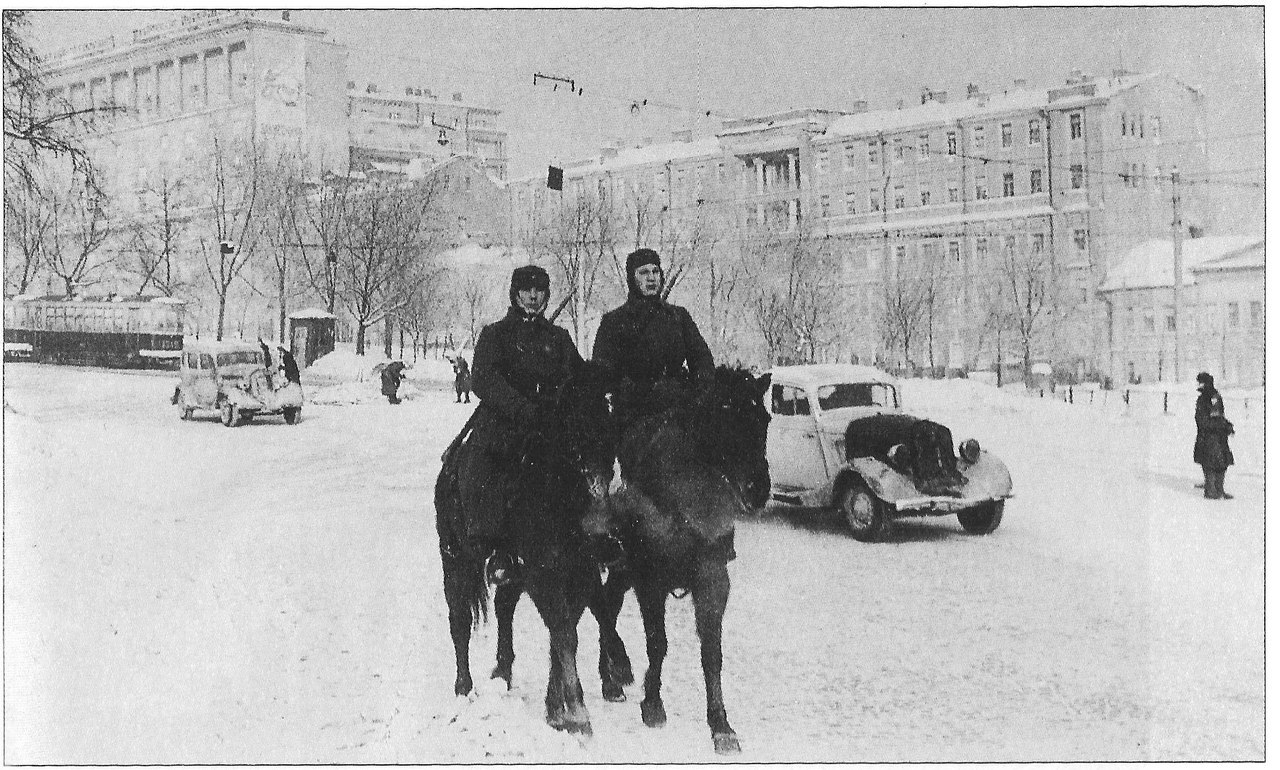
(519, 363)
(1211, 451)
(653, 348)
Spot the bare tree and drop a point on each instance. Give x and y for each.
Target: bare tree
(77, 230)
(1028, 277)
(235, 203)
(794, 298)
(390, 228)
(27, 221)
(908, 291)
(474, 298)
(155, 237)
(315, 226)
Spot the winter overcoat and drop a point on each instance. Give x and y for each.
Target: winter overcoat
(655, 352)
(1212, 428)
(391, 377)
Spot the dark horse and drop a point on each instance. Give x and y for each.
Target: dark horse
(688, 473)
(564, 475)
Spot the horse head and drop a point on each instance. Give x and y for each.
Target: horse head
(585, 441)
(733, 425)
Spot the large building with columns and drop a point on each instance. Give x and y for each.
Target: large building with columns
(1078, 172)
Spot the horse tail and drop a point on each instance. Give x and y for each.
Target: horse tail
(463, 571)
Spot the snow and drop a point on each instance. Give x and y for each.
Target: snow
(1150, 263)
(180, 592)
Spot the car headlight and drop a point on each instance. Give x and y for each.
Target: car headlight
(900, 455)
(970, 450)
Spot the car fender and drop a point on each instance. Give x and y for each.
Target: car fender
(882, 479)
(988, 477)
(241, 400)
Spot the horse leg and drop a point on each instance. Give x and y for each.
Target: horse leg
(566, 707)
(615, 665)
(710, 597)
(505, 599)
(456, 594)
(653, 610)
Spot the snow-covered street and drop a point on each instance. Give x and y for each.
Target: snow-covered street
(178, 592)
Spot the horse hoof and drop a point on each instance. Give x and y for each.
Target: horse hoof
(653, 714)
(613, 693)
(461, 689)
(503, 674)
(572, 727)
(726, 743)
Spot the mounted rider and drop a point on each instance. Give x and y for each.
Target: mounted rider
(652, 348)
(519, 364)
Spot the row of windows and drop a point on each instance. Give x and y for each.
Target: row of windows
(175, 87)
(1208, 317)
(869, 257)
(848, 203)
(1010, 134)
(62, 317)
(1136, 126)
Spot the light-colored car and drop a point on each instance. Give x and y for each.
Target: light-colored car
(839, 438)
(231, 378)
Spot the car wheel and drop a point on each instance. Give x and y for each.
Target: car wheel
(863, 513)
(230, 414)
(291, 415)
(983, 519)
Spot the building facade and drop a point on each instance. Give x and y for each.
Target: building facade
(1059, 181)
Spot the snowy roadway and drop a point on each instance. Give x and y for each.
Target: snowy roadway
(184, 593)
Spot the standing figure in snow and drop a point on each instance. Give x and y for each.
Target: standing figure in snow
(519, 364)
(461, 380)
(289, 365)
(392, 374)
(266, 362)
(653, 349)
(1212, 452)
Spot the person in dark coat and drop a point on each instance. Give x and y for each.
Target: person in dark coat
(289, 365)
(1212, 452)
(266, 362)
(518, 365)
(461, 379)
(392, 374)
(652, 348)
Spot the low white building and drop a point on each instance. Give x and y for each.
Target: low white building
(1222, 317)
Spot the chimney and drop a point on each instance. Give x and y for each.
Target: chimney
(940, 97)
(1074, 76)
(925, 95)
(682, 135)
(457, 96)
(859, 107)
(609, 151)
(900, 103)
(1019, 84)
(971, 91)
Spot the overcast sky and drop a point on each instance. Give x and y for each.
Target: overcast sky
(736, 62)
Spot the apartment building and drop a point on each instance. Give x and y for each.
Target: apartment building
(1077, 172)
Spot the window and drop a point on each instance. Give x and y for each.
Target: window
(1159, 183)
(873, 258)
(1077, 125)
(1010, 244)
(1170, 323)
(1155, 129)
(851, 202)
(1033, 131)
(980, 189)
(1142, 129)
(1134, 176)
(1006, 134)
(924, 196)
(1149, 319)
(873, 153)
(953, 251)
(1037, 185)
(1037, 243)
(850, 157)
(979, 138)
(1008, 184)
(1124, 124)
(824, 204)
(980, 250)
(855, 394)
(1081, 238)
(899, 151)
(874, 199)
(899, 196)
(922, 147)
(1233, 314)
(823, 164)
(1077, 176)
(789, 401)
(953, 191)
(951, 142)
(899, 254)
(1255, 314)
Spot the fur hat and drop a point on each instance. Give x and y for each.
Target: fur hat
(528, 277)
(1205, 379)
(639, 258)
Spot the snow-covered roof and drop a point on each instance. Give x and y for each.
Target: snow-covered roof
(220, 346)
(1249, 258)
(638, 156)
(807, 375)
(1150, 264)
(477, 255)
(312, 312)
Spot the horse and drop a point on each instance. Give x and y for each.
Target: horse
(564, 474)
(687, 474)
(461, 380)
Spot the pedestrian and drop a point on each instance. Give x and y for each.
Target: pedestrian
(652, 348)
(392, 374)
(519, 364)
(266, 362)
(461, 379)
(289, 365)
(1211, 451)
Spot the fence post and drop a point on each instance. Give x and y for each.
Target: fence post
(1166, 402)
(1071, 398)
(1126, 397)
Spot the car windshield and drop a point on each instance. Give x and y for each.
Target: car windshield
(240, 357)
(850, 394)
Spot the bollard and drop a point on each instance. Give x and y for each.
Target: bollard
(1126, 397)
(1166, 402)
(1042, 393)
(1071, 398)
(1091, 396)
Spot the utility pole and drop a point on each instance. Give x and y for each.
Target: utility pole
(1177, 275)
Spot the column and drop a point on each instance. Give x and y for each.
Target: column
(793, 210)
(760, 186)
(793, 163)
